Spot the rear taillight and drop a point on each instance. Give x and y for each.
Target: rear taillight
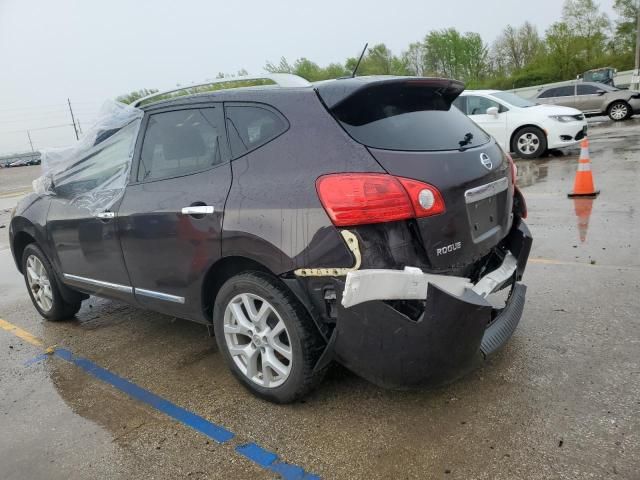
(364, 198)
(514, 169)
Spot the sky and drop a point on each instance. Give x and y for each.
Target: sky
(93, 50)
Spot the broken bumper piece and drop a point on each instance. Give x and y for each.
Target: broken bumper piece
(412, 284)
(456, 331)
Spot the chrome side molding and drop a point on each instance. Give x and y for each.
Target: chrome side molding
(485, 191)
(124, 288)
(159, 295)
(99, 283)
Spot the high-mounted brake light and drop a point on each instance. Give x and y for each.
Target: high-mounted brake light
(365, 198)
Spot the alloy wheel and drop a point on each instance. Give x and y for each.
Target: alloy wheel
(258, 340)
(619, 111)
(528, 143)
(39, 283)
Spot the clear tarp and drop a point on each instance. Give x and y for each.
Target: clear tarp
(93, 173)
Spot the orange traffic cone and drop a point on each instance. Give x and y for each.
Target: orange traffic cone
(583, 186)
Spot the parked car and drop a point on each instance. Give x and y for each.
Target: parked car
(593, 99)
(522, 126)
(362, 220)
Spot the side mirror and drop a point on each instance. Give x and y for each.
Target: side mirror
(493, 111)
(600, 92)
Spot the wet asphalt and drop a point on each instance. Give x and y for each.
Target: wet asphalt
(561, 400)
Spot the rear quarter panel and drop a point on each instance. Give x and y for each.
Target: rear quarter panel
(273, 214)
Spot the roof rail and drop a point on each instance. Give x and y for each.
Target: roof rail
(285, 80)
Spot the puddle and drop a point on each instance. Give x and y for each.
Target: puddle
(583, 208)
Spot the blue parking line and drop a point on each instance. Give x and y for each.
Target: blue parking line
(251, 451)
(269, 460)
(211, 430)
(37, 359)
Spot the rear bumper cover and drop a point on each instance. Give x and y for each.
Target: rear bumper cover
(457, 330)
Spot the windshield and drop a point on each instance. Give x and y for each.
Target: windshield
(513, 99)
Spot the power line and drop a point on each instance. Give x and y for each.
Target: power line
(39, 128)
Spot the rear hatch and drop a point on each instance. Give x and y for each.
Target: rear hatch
(411, 128)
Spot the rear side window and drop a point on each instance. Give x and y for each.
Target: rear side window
(549, 93)
(251, 126)
(400, 117)
(181, 142)
(565, 91)
(587, 90)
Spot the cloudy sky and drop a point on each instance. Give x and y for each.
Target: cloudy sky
(90, 50)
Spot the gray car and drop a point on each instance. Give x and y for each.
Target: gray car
(593, 99)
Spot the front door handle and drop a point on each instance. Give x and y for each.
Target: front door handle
(105, 215)
(198, 210)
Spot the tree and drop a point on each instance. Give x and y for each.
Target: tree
(414, 58)
(516, 47)
(378, 60)
(449, 53)
(136, 95)
(589, 27)
(626, 25)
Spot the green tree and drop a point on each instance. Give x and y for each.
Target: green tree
(516, 47)
(448, 53)
(131, 97)
(626, 25)
(378, 60)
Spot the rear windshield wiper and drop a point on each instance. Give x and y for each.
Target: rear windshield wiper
(466, 141)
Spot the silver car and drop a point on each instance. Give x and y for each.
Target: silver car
(593, 99)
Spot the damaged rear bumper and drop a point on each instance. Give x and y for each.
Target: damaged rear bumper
(457, 329)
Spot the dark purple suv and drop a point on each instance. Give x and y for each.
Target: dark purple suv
(363, 220)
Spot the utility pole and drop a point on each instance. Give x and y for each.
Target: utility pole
(636, 73)
(75, 128)
(30, 142)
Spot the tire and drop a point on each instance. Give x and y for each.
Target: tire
(619, 110)
(238, 329)
(42, 285)
(529, 142)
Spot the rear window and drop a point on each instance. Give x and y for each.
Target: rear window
(400, 117)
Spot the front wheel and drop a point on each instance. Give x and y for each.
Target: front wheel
(529, 142)
(267, 338)
(618, 111)
(43, 287)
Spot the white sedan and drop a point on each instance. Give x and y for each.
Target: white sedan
(521, 126)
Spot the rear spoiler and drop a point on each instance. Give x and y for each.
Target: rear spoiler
(334, 92)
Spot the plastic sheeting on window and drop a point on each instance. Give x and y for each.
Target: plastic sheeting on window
(93, 173)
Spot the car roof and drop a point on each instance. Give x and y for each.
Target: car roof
(333, 91)
(481, 92)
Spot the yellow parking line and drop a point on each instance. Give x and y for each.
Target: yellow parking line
(19, 193)
(20, 333)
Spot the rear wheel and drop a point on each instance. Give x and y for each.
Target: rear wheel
(529, 142)
(618, 111)
(267, 338)
(43, 287)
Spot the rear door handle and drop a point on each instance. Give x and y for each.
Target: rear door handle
(105, 215)
(198, 210)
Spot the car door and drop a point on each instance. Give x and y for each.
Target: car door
(564, 96)
(588, 98)
(170, 219)
(81, 221)
(494, 125)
